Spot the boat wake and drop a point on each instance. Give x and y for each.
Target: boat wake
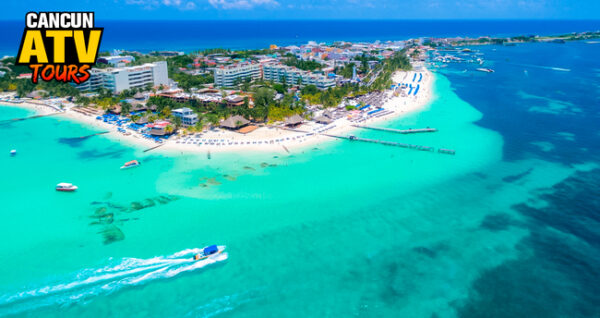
(553, 68)
(101, 281)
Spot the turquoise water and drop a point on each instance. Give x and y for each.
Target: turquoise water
(345, 229)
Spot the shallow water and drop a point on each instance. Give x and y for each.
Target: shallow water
(346, 229)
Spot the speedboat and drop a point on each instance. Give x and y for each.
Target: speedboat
(66, 187)
(487, 70)
(13, 152)
(130, 164)
(209, 251)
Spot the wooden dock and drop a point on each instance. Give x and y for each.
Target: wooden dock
(152, 148)
(92, 135)
(6, 121)
(389, 143)
(399, 131)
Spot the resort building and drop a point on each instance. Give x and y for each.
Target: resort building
(188, 117)
(293, 76)
(227, 76)
(119, 79)
(116, 60)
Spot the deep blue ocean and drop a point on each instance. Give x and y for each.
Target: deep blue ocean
(545, 101)
(188, 36)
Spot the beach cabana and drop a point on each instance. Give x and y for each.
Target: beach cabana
(294, 121)
(115, 109)
(323, 120)
(37, 94)
(234, 122)
(139, 96)
(142, 120)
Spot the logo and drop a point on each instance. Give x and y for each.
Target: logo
(59, 46)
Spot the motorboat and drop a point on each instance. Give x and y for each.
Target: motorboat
(66, 187)
(130, 164)
(13, 152)
(209, 251)
(487, 70)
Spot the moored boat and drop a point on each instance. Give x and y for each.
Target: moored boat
(130, 164)
(66, 187)
(209, 251)
(487, 70)
(13, 152)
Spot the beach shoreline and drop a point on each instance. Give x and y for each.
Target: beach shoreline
(269, 139)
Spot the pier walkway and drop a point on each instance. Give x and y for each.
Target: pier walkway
(400, 131)
(386, 143)
(152, 148)
(6, 121)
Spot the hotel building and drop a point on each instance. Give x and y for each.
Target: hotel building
(119, 79)
(188, 117)
(294, 76)
(227, 76)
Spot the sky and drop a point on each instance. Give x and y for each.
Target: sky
(310, 9)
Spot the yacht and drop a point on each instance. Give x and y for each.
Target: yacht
(66, 187)
(130, 164)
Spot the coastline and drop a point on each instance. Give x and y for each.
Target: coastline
(262, 139)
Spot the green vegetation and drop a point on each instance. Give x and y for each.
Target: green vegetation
(187, 81)
(346, 71)
(292, 60)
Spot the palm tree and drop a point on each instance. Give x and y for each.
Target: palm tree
(177, 121)
(125, 108)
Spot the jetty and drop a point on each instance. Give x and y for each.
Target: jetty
(388, 143)
(399, 131)
(92, 135)
(6, 121)
(152, 148)
(384, 142)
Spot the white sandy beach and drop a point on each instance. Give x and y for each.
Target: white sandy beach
(263, 139)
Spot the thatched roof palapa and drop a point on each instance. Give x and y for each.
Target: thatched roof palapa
(142, 120)
(234, 122)
(323, 119)
(37, 94)
(294, 120)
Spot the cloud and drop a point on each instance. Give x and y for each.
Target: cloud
(242, 4)
(153, 4)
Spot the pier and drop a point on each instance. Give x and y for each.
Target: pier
(92, 135)
(383, 142)
(6, 121)
(399, 131)
(152, 148)
(388, 143)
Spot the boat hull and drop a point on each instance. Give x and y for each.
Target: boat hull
(221, 249)
(129, 167)
(66, 190)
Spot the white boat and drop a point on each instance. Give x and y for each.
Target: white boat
(130, 164)
(209, 251)
(65, 187)
(487, 70)
(13, 152)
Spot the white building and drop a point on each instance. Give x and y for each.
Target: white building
(227, 76)
(119, 79)
(294, 76)
(188, 117)
(116, 60)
